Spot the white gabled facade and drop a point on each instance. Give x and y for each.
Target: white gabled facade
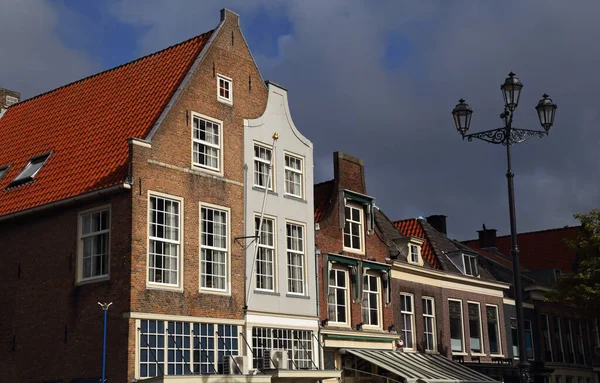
(281, 296)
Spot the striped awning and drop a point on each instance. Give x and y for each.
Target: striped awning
(418, 367)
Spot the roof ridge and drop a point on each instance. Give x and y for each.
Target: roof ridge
(530, 232)
(110, 69)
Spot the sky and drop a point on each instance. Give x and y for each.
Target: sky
(377, 80)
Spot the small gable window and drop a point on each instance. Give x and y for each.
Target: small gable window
(30, 170)
(414, 254)
(353, 230)
(225, 89)
(3, 171)
(470, 264)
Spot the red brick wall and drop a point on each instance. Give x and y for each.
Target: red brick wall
(172, 146)
(349, 175)
(43, 304)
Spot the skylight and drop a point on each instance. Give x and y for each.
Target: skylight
(3, 171)
(30, 170)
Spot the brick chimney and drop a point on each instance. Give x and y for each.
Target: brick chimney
(487, 237)
(438, 222)
(8, 98)
(349, 172)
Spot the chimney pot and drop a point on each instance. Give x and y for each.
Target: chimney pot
(438, 222)
(487, 237)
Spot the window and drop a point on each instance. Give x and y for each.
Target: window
(353, 228)
(3, 170)
(529, 340)
(570, 343)
(295, 256)
(297, 343)
(456, 325)
(11, 100)
(184, 348)
(293, 175)
(225, 89)
(596, 333)
(470, 263)
(165, 241)
(493, 326)
(580, 346)
(429, 324)
(370, 300)
(265, 259)
(206, 143)
(514, 334)
(414, 254)
(558, 339)
(337, 296)
(475, 327)
(408, 324)
(213, 248)
(263, 171)
(30, 170)
(94, 237)
(546, 338)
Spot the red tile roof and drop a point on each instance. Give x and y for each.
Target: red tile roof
(540, 250)
(412, 228)
(323, 194)
(86, 125)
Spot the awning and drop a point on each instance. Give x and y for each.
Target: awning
(418, 367)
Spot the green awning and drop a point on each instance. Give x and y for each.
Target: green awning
(346, 260)
(375, 266)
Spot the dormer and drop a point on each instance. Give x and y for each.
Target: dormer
(412, 248)
(465, 261)
(356, 217)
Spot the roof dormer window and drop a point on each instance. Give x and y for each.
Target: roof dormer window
(470, 265)
(30, 170)
(414, 254)
(3, 171)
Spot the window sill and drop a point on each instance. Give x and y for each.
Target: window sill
(496, 356)
(338, 324)
(265, 292)
(225, 101)
(158, 287)
(88, 281)
(262, 190)
(291, 295)
(478, 354)
(353, 251)
(294, 198)
(432, 352)
(459, 353)
(214, 292)
(371, 327)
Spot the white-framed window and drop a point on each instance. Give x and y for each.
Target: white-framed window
(297, 343)
(184, 348)
(94, 244)
(529, 340)
(470, 264)
(263, 168)
(370, 300)
(265, 259)
(493, 327)
(224, 89)
(30, 170)
(295, 258)
(214, 248)
(353, 229)
(294, 184)
(559, 340)
(415, 252)
(408, 320)
(457, 339)
(429, 338)
(580, 346)
(164, 240)
(337, 298)
(546, 338)
(206, 143)
(475, 333)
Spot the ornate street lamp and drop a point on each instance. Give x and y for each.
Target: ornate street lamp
(507, 136)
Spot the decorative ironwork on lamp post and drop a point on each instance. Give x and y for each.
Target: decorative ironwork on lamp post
(507, 136)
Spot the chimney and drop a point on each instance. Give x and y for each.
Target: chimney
(349, 172)
(438, 222)
(487, 237)
(8, 98)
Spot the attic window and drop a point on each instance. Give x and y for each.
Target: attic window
(30, 170)
(470, 264)
(414, 255)
(3, 171)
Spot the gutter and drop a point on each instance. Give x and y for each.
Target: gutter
(67, 201)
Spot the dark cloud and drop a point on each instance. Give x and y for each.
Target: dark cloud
(346, 95)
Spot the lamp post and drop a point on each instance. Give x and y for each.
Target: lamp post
(507, 136)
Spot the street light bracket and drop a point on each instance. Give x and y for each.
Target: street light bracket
(499, 136)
